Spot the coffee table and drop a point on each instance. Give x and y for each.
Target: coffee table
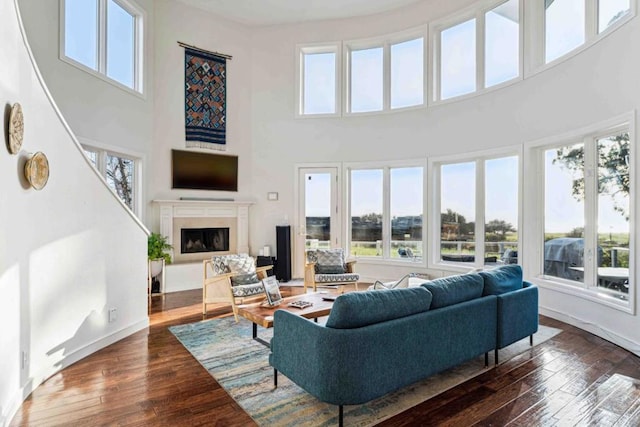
(262, 315)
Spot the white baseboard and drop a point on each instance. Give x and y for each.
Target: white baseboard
(69, 359)
(593, 328)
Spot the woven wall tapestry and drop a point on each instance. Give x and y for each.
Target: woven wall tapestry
(205, 99)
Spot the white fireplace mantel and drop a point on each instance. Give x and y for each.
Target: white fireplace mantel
(170, 209)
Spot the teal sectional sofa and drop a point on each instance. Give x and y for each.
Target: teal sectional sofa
(376, 342)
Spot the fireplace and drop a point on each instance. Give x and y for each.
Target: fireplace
(194, 240)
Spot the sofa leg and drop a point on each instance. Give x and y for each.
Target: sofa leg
(275, 378)
(531, 340)
(486, 359)
(340, 416)
(495, 356)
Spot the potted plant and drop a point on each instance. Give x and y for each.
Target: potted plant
(157, 250)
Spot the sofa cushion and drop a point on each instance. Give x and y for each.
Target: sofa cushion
(358, 309)
(500, 280)
(454, 289)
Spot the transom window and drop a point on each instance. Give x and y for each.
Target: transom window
(478, 51)
(121, 173)
(385, 75)
(104, 37)
(386, 210)
(319, 88)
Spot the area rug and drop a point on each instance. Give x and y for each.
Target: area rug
(241, 366)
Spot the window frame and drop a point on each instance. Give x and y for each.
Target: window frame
(478, 12)
(101, 151)
(139, 16)
(304, 49)
(386, 167)
(384, 42)
(536, 34)
(535, 265)
(434, 192)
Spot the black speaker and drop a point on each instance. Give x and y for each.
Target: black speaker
(283, 255)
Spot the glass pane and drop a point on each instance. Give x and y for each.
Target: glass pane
(564, 213)
(319, 83)
(502, 43)
(366, 212)
(93, 156)
(458, 60)
(610, 11)
(317, 200)
(613, 213)
(458, 207)
(120, 44)
(366, 80)
(501, 211)
(81, 31)
(120, 177)
(406, 212)
(564, 27)
(407, 73)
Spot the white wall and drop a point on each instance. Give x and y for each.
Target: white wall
(593, 86)
(178, 22)
(68, 253)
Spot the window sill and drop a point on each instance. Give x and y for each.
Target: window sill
(588, 294)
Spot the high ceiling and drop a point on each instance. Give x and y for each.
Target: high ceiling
(271, 12)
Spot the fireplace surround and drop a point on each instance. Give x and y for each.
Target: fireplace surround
(179, 215)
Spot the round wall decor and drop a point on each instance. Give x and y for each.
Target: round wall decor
(36, 170)
(16, 128)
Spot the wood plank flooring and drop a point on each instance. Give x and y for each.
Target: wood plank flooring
(149, 379)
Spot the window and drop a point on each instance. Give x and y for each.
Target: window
(386, 205)
(458, 60)
(564, 27)
(407, 73)
(120, 171)
(478, 224)
(386, 74)
(477, 50)
(319, 80)
(587, 209)
(104, 36)
(366, 83)
(502, 43)
(610, 12)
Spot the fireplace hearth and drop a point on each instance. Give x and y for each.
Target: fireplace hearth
(194, 240)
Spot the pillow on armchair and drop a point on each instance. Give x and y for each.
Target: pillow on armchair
(245, 268)
(328, 261)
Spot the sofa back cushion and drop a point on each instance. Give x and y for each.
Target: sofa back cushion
(500, 280)
(454, 289)
(358, 309)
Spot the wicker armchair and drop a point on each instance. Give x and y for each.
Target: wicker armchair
(232, 279)
(328, 267)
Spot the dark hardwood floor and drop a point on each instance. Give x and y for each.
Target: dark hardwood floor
(149, 379)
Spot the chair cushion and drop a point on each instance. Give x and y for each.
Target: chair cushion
(337, 278)
(245, 279)
(358, 309)
(454, 289)
(247, 290)
(330, 269)
(500, 280)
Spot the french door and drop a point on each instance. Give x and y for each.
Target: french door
(318, 224)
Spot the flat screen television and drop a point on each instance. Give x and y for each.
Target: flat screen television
(204, 171)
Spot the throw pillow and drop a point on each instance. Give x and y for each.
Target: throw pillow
(500, 280)
(242, 265)
(330, 256)
(330, 269)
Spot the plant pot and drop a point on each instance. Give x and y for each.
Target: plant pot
(155, 267)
